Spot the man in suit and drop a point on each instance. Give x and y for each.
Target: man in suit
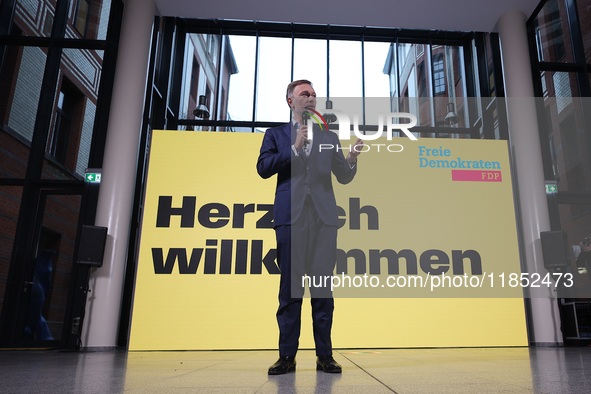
(305, 221)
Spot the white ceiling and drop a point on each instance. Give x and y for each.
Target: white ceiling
(451, 15)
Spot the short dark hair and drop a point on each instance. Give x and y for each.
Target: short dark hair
(292, 86)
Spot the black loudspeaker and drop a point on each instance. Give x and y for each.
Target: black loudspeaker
(554, 248)
(91, 247)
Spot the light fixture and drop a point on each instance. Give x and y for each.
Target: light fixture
(329, 116)
(452, 118)
(202, 111)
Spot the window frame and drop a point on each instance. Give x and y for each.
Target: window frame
(293, 31)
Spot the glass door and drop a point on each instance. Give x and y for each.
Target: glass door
(575, 220)
(48, 280)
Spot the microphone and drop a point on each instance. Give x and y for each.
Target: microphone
(305, 117)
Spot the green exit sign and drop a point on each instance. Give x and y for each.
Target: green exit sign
(551, 188)
(93, 177)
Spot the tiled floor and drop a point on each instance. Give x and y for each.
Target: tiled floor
(473, 370)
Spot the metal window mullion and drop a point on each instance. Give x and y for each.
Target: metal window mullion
(172, 99)
(363, 77)
(7, 8)
(328, 64)
(292, 53)
(431, 78)
(218, 87)
(47, 95)
(433, 84)
(256, 78)
(397, 57)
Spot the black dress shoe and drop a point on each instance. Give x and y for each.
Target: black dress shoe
(284, 365)
(328, 364)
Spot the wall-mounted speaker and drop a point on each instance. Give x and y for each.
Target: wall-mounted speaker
(554, 249)
(91, 247)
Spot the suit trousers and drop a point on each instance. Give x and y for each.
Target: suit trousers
(306, 248)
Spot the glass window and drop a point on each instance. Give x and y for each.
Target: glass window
(20, 105)
(274, 74)
(34, 18)
(584, 10)
(213, 47)
(575, 220)
(67, 103)
(375, 55)
(432, 84)
(564, 115)
(345, 69)
(309, 62)
(241, 85)
(449, 86)
(194, 87)
(50, 283)
(90, 18)
(70, 136)
(218, 70)
(438, 74)
(391, 68)
(10, 199)
(82, 16)
(20, 80)
(560, 84)
(568, 139)
(376, 76)
(345, 84)
(407, 78)
(200, 75)
(255, 70)
(490, 65)
(15, 155)
(552, 34)
(65, 133)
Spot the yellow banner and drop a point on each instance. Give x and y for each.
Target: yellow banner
(436, 208)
